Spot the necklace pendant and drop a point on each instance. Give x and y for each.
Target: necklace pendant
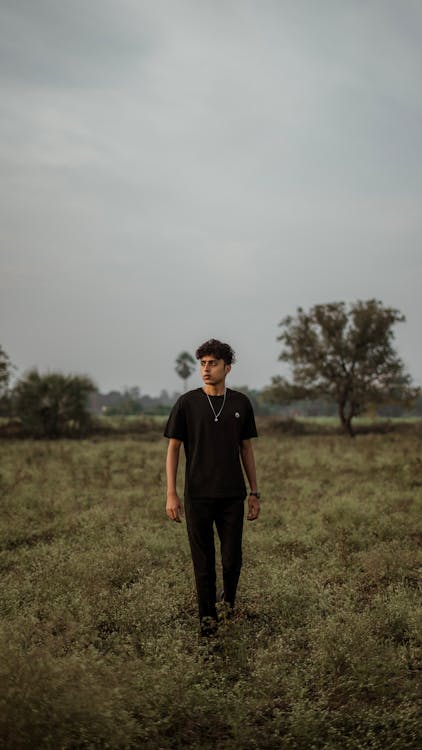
(216, 415)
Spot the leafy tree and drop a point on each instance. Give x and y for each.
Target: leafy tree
(129, 403)
(185, 365)
(344, 354)
(6, 368)
(53, 405)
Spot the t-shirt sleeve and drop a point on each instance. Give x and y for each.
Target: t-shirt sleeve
(176, 423)
(249, 427)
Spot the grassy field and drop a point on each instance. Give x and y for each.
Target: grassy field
(99, 635)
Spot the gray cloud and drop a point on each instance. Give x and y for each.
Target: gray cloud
(173, 171)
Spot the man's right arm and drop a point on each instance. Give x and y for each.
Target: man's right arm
(174, 507)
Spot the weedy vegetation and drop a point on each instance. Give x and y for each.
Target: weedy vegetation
(99, 633)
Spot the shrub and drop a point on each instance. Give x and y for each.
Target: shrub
(53, 405)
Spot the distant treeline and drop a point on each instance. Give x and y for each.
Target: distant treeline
(130, 402)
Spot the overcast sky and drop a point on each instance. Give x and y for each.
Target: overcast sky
(176, 170)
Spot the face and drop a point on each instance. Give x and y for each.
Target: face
(213, 371)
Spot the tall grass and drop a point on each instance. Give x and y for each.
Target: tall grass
(99, 638)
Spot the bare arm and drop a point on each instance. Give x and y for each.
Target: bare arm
(174, 507)
(248, 461)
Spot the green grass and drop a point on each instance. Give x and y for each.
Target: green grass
(99, 635)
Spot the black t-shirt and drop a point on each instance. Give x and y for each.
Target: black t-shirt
(213, 467)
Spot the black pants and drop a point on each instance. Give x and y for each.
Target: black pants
(227, 514)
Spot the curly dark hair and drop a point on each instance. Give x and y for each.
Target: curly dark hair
(216, 348)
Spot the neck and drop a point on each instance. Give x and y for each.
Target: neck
(214, 390)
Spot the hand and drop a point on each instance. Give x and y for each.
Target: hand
(174, 508)
(254, 508)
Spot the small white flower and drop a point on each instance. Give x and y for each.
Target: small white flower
(236, 414)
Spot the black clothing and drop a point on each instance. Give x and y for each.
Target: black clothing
(214, 487)
(213, 467)
(201, 513)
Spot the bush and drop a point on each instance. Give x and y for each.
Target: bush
(53, 405)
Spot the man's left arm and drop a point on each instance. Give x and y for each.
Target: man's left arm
(248, 461)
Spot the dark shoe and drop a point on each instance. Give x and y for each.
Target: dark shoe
(208, 627)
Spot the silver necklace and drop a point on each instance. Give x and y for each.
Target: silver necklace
(216, 415)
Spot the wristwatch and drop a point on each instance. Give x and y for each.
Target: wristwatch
(255, 494)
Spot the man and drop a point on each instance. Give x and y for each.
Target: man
(215, 425)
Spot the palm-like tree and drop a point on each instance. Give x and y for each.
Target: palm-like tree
(185, 365)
